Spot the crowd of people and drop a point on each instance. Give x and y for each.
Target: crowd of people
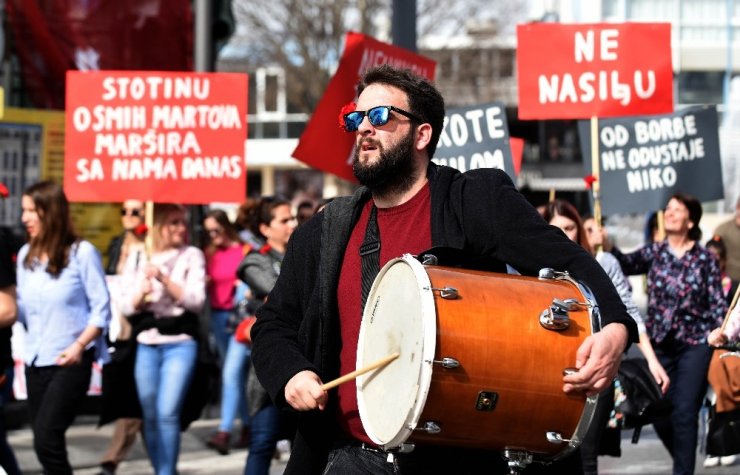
(283, 291)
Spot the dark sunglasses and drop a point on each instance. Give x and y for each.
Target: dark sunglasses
(131, 212)
(378, 115)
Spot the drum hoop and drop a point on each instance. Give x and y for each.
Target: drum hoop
(590, 407)
(429, 322)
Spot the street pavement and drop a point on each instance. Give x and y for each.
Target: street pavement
(86, 443)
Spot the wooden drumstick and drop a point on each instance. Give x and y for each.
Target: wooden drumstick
(359, 372)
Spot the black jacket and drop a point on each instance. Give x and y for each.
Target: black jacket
(114, 254)
(479, 212)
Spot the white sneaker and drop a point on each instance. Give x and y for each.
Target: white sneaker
(711, 461)
(727, 460)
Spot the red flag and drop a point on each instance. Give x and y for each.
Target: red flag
(54, 36)
(327, 147)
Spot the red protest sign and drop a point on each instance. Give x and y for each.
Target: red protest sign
(594, 70)
(161, 136)
(323, 144)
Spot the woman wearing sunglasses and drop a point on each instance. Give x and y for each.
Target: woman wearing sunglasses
(165, 293)
(119, 397)
(132, 220)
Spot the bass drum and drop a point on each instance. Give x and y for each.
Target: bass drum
(482, 357)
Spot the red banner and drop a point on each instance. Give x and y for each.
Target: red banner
(165, 137)
(323, 144)
(53, 36)
(517, 152)
(584, 70)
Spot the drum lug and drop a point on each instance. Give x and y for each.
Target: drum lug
(517, 460)
(447, 362)
(430, 427)
(554, 319)
(449, 293)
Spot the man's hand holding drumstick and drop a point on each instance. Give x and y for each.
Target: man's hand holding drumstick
(305, 391)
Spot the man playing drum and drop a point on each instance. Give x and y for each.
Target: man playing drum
(307, 331)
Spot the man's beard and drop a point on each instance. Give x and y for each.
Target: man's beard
(393, 173)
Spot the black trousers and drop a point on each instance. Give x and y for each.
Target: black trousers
(54, 396)
(355, 458)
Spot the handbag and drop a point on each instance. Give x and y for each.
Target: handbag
(242, 334)
(723, 432)
(644, 403)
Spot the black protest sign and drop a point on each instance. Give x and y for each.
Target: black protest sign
(643, 161)
(476, 137)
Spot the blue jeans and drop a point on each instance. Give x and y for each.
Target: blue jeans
(163, 374)
(687, 367)
(233, 385)
(219, 319)
(265, 431)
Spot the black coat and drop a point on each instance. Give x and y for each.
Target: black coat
(479, 212)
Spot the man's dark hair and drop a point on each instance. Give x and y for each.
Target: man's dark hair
(425, 101)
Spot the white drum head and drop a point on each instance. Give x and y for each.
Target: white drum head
(399, 317)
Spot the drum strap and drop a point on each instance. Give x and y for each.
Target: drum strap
(370, 255)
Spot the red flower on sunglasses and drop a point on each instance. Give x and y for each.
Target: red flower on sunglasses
(346, 109)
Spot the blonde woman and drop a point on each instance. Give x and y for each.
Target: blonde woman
(166, 294)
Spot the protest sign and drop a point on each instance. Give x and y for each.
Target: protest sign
(157, 136)
(476, 137)
(580, 71)
(324, 145)
(645, 160)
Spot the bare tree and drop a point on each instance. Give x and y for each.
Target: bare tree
(305, 37)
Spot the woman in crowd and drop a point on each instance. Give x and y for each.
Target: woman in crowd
(119, 397)
(717, 247)
(563, 215)
(223, 255)
(132, 238)
(725, 389)
(273, 221)
(63, 303)
(165, 294)
(724, 377)
(685, 302)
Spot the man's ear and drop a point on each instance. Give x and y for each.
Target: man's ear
(423, 136)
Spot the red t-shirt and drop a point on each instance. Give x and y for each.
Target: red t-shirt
(403, 229)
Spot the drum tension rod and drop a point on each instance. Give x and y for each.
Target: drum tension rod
(569, 305)
(447, 362)
(557, 438)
